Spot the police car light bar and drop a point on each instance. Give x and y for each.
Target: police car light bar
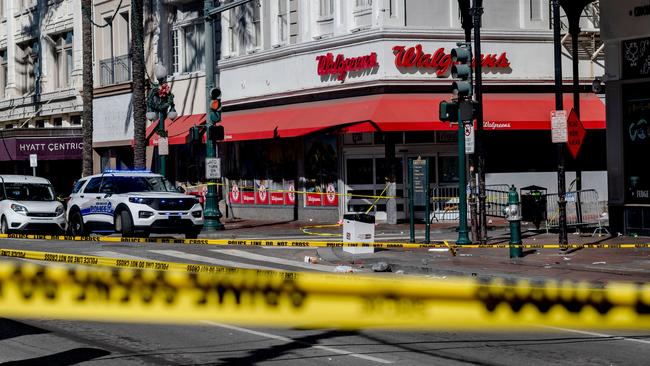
(126, 171)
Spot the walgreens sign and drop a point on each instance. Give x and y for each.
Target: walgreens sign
(440, 61)
(341, 65)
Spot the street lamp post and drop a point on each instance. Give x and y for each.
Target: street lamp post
(160, 104)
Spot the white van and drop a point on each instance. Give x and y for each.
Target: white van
(29, 204)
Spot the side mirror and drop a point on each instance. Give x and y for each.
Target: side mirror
(180, 189)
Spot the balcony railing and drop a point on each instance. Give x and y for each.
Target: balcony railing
(115, 70)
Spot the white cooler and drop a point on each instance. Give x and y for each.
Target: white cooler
(358, 228)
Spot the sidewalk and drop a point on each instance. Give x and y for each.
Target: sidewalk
(594, 265)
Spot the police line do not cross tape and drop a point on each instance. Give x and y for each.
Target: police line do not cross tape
(312, 243)
(310, 300)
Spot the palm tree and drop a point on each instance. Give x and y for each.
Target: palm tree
(87, 93)
(139, 106)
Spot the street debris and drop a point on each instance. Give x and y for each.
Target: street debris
(465, 255)
(380, 267)
(439, 249)
(599, 263)
(312, 260)
(566, 258)
(399, 272)
(343, 269)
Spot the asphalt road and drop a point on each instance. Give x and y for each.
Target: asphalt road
(53, 342)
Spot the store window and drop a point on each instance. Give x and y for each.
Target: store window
(362, 4)
(321, 163)
(75, 120)
(448, 169)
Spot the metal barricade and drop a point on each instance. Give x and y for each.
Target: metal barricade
(496, 200)
(582, 209)
(444, 203)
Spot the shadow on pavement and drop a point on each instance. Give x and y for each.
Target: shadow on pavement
(69, 357)
(274, 352)
(11, 328)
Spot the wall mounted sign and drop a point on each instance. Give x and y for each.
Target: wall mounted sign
(636, 58)
(440, 60)
(341, 66)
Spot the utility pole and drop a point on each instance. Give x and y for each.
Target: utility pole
(87, 88)
(559, 105)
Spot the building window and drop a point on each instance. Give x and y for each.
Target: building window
(326, 9)
(362, 4)
(3, 73)
(283, 21)
(9, 126)
(75, 120)
(176, 67)
(57, 122)
(28, 57)
(62, 65)
(232, 36)
(40, 123)
(536, 9)
(189, 40)
(257, 26)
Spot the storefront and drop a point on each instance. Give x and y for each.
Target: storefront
(58, 158)
(626, 31)
(306, 134)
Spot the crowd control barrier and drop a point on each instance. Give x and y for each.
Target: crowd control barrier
(582, 209)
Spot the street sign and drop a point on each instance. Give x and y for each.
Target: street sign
(33, 160)
(420, 176)
(212, 168)
(559, 127)
(576, 132)
(163, 146)
(469, 138)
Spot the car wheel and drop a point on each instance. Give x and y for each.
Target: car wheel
(4, 227)
(77, 227)
(192, 234)
(124, 223)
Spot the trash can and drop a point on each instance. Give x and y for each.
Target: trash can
(358, 228)
(533, 204)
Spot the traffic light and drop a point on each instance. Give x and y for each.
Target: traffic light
(448, 111)
(215, 130)
(462, 70)
(215, 105)
(194, 135)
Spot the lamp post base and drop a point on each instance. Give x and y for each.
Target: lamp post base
(212, 224)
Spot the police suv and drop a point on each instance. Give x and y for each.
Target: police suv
(133, 203)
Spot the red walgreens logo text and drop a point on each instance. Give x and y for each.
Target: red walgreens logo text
(340, 66)
(415, 57)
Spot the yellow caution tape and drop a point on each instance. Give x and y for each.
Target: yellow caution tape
(317, 244)
(308, 300)
(90, 260)
(246, 242)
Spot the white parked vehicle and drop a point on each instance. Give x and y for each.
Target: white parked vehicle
(29, 204)
(133, 203)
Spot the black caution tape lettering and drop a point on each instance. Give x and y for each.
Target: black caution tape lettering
(12, 253)
(567, 298)
(130, 240)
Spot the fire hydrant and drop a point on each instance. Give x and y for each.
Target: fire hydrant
(514, 217)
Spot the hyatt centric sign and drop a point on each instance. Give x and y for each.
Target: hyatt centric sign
(51, 148)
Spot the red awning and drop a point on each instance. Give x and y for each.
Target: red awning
(177, 130)
(385, 112)
(400, 112)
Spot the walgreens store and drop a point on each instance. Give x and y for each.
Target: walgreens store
(307, 129)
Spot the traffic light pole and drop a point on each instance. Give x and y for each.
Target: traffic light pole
(162, 159)
(463, 237)
(211, 212)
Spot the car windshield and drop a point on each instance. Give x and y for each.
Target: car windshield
(139, 184)
(29, 192)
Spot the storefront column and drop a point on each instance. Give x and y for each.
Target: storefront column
(300, 174)
(391, 204)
